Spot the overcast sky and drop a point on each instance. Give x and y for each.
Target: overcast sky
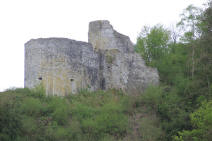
(22, 20)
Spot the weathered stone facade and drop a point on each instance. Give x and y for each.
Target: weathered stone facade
(64, 66)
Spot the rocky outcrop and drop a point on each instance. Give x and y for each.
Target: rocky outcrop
(64, 66)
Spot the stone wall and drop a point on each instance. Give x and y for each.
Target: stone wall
(122, 67)
(64, 66)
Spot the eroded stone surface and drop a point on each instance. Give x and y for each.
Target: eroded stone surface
(102, 36)
(64, 66)
(122, 67)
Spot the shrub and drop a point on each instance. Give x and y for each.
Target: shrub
(152, 96)
(94, 116)
(31, 106)
(201, 121)
(150, 129)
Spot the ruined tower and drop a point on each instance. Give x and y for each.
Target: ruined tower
(122, 68)
(64, 66)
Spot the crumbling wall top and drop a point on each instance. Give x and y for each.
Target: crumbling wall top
(103, 37)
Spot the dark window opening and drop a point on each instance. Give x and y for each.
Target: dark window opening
(102, 84)
(71, 80)
(40, 78)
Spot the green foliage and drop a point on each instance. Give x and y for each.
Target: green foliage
(202, 125)
(59, 109)
(153, 43)
(150, 129)
(30, 115)
(31, 106)
(190, 19)
(152, 96)
(165, 102)
(180, 108)
(101, 114)
(10, 123)
(185, 76)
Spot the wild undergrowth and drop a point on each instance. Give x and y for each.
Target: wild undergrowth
(30, 115)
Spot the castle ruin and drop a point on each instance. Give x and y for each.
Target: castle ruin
(64, 66)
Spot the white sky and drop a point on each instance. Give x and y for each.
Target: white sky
(22, 20)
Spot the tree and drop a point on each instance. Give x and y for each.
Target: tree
(190, 19)
(201, 121)
(152, 43)
(204, 68)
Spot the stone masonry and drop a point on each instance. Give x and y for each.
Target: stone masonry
(64, 66)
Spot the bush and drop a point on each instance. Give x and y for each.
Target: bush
(100, 114)
(201, 121)
(30, 115)
(152, 96)
(150, 129)
(31, 107)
